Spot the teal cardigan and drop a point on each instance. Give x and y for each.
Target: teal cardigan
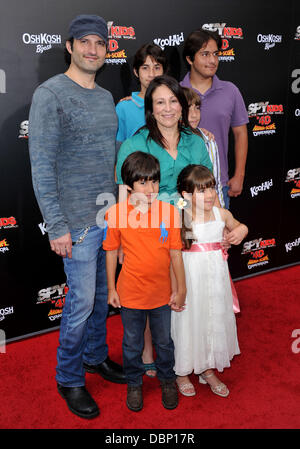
(191, 150)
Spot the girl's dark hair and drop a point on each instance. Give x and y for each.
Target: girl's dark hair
(140, 166)
(191, 96)
(195, 41)
(152, 50)
(192, 177)
(176, 89)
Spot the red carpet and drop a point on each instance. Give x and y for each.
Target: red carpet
(264, 381)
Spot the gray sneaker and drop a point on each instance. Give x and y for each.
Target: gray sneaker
(134, 398)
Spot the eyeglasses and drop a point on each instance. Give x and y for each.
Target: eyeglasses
(206, 54)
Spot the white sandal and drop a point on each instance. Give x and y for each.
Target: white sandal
(184, 387)
(217, 389)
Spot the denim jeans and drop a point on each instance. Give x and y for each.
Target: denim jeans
(134, 322)
(226, 196)
(83, 324)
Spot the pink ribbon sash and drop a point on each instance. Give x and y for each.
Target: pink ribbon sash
(216, 246)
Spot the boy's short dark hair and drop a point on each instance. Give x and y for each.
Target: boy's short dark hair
(196, 40)
(152, 50)
(140, 166)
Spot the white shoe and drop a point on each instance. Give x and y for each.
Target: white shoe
(220, 389)
(187, 389)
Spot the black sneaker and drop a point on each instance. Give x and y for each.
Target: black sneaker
(134, 398)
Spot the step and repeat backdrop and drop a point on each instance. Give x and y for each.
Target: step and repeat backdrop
(260, 54)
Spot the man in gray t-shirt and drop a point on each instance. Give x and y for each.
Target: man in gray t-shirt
(72, 130)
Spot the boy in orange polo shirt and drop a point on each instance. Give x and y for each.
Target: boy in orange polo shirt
(149, 232)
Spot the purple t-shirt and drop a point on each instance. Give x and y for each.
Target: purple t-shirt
(222, 107)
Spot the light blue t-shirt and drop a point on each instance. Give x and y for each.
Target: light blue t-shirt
(131, 115)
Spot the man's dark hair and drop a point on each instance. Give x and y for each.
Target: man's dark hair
(196, 40)
(67, 55)
(140, 166)
(152, 50)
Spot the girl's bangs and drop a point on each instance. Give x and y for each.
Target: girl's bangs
(205, 184)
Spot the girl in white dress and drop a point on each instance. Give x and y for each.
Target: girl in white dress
(204, 333)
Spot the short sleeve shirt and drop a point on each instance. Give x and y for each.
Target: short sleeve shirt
(146, 239)
(222, 108)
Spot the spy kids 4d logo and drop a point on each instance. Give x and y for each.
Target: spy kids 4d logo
(262, 114)
(8, 223)
(4, 246)
(227, 53)
(293, 177)
(116, 55)
(257, 250)
(55, 296)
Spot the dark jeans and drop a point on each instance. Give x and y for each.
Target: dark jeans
(134, 322)
(82, 335)
(226, 197)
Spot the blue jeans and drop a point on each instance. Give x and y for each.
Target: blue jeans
(226, 196)
(134, 322)
(83, 324)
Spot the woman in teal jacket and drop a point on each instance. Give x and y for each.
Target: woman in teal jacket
(166, 135)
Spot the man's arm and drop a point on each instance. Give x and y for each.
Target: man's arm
(62, 246)
(44, 144)
(240, 149)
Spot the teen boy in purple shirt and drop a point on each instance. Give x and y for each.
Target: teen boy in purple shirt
(222, 105)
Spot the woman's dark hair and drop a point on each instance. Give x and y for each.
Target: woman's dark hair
(192, 177)
(176, 89)
(152, 50)
(140, 166)
(195, 41)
